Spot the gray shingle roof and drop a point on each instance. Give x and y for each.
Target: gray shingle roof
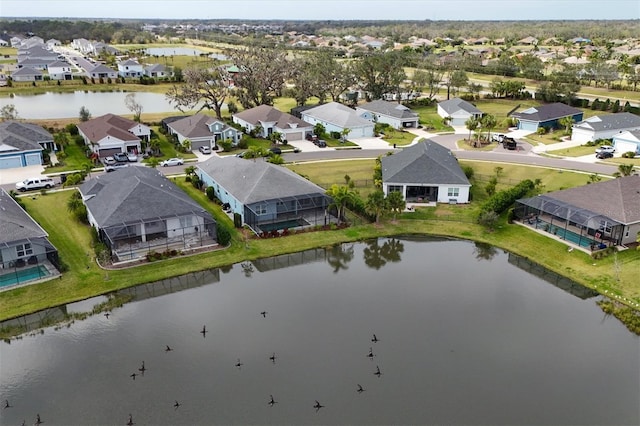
(338, 115)
(15, 223)
(196, 126)
(618, 199)
(452, 105)
(252, 181)
(23, 136)
(134, 194)
(26, 71)
(618, 121)
(547, 112)
(269, 114)
(425, 163)
(391, 109)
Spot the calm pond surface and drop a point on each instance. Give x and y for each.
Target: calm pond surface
(181, 51)
(467, 334)
(67, 105)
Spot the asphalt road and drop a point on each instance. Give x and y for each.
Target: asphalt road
(523, 155)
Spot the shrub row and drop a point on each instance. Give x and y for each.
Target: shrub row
(502, 200)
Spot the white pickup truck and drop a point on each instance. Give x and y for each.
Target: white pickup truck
(42, 182)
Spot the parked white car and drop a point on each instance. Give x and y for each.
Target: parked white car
(605, 148)
(172, 162)
(35, 183)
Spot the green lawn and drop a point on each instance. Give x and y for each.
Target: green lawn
(398, 137)
(575, 151)
(430, 119)
(75, 159)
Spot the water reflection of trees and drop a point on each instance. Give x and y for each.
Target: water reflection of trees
(376, 255)
(484, 251)
(339, 256)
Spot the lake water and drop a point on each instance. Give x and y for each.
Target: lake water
(467, 334)
(67, 105)
(173, 51)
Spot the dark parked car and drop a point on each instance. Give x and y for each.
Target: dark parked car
(604, 154)
(121, 157)
(275, 150)
(321, 143)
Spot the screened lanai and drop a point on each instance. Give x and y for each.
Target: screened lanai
(577, 225)
(288, 212)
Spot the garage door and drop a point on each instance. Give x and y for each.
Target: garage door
(294, 136)
(10, 162)
(622, 147)
(528, 125)
(33, 159)
(108, 152)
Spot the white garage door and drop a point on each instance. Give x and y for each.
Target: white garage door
(33, 159)
(622, 147)
(10, 162)
(294, 136)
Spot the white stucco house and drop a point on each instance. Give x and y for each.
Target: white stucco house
(394, 114)
(425, 172)
(102, 71)
(336, 117)
(604, 126)
(628, 141)
(458, 111)
(60, 70)
(270, 120)
(130, 68)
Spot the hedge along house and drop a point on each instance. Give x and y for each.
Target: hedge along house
(425, 172)
(137, 210)
(26, 255)
(21, 144)
(600, 214)
(202, 130)
(547, 116)
(266, 197)
(270, 119)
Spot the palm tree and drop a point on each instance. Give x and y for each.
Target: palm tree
(344, 133)
(190, 170)
(567, 122)
(376, 204)
(341, 196)
(489, 122)
(625, 169)
(74, 203)
(471, 124)
(396, 202)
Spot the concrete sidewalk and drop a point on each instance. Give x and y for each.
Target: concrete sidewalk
(18, 174)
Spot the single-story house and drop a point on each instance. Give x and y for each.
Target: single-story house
(130, 68)
(137, 210)
(336, 117)
(21, 144)
(102, 71)
(27, 74)
(547, 116)
(26, 254)
(60, 70)
(603, 213)
(202, 130)
(425, 172)
(604, 126)
(458, 111)
(266, 196)
(628, 141)
(157, 71)
(394, 114)
(110, 134)
(270, 120)
(36, 64)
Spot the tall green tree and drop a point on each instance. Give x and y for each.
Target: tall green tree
(380, 73)
(84, 114)
(207, 89)
(341, 196)
(396, 203)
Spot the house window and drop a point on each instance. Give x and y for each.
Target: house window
(453, 192)
(394, 188)
(24, 250)
(186, 221)
(605, 226)
(261, 209)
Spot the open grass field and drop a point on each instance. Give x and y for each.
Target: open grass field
(398, 137)
(430, 119)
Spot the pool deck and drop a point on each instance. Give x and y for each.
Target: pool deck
(52, 273)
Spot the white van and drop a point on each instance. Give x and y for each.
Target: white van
(35, 183)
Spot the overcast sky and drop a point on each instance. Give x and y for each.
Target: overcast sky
(326, 9)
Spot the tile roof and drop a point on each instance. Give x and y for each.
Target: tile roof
(426, 162)
(547, 112)
(391, 109)
(108, 125)
(618, 199)
(15, 223)
(269, 114)
(16, 136)
(338, 115)
(617, 121)
(253, 181)
(134, 194)
(452, 105)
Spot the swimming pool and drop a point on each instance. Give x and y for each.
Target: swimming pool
(23, 275)
(566, 234)
(287, 224)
